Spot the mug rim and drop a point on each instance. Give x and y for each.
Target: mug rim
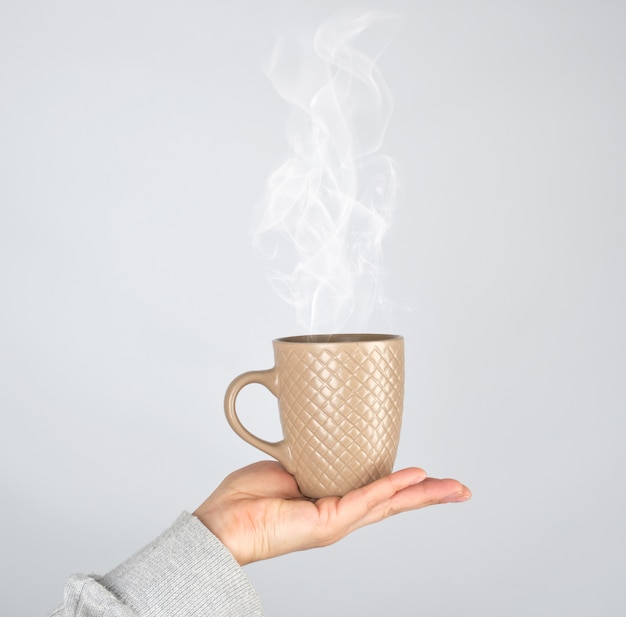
(337, 338)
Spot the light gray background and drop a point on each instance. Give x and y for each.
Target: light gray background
(135, 138)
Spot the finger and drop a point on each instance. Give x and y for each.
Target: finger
(429, 492)
(358, 503)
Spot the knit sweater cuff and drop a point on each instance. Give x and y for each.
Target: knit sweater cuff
(186, 571)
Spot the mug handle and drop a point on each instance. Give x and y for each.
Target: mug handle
(268, 378)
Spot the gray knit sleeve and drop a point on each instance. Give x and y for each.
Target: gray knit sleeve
(186, 572)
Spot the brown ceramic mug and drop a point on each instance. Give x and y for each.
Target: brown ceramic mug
(340, 398)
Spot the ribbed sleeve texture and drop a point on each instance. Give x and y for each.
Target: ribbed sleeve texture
(186, 572)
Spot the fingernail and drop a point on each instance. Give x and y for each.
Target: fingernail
(458, 496)
(421, 476)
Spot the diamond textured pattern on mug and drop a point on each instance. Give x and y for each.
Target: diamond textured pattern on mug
(346, 414)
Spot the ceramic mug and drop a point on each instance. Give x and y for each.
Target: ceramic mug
(340, 399)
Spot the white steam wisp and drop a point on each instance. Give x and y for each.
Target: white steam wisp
(328, 206)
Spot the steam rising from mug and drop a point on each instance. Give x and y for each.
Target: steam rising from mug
(328, 206)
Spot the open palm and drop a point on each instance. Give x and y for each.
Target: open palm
(258, 512)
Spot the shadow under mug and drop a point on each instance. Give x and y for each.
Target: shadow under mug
(340, 399)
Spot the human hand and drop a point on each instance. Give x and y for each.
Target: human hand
(258, 512)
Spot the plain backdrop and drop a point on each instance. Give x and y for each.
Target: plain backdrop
(136, 137)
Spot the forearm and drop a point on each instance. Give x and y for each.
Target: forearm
(185, 572)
